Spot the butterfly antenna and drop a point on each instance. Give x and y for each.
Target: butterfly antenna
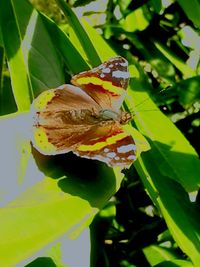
(133, 112)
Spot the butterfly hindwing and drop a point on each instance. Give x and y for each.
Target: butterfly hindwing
(116, 148)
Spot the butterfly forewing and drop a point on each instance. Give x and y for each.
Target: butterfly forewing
(62, 119)
(107, 83)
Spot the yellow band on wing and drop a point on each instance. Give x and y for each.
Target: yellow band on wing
(99, 145)
(42, 100)
(41, 142)
(105, 84)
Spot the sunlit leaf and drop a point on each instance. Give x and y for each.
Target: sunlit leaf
(135, 20)
(192, 10)
(80, 32)
(156, 254)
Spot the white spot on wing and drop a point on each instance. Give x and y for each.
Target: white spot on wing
(102, 75)
(106, 70)
(131, 157)
(111, 66)
(124, 64)
(111, 155)
(117, 158)
(106, 150)
(126, 148)
(120, 74)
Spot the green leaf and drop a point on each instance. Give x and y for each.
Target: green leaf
(48, 197)
(80, 32)
(188, 91)
(26, 43)
(73, 60)
(13, 49)
(98, 43)
(164, 68)
(1, 65)
(156, 254)
(157, 5)
(192, 10)
(82, 2)
(175, 263)
(62, 254)
(181, 216)
(135, 20)
(186, 70)
(174, 155)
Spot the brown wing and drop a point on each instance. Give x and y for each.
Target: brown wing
(62, 118)
(111, 145)
(106, 84)
(65, 97)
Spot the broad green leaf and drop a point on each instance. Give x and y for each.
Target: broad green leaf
(171, 158)
(73, 60)
(64, 253)
(1, 65)
(174, 155)
(1, 41)
(80, 32)
(157, 5)
(7, 101)
(192, 10)
(156, 254)
(45, 72)
(188, 91)
(175, 263)
(13, 49)
(181, 216)
(26, 44)
(97, 40)
(124, 4)
(48, 197)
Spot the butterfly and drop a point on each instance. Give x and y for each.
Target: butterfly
(86, 117)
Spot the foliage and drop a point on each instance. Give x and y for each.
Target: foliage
(47, 201)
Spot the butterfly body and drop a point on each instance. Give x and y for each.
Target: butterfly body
(86, 117)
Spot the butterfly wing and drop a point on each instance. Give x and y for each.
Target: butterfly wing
(64, 97)
(67, 118)
(62, 118)
(110, 144)
(106, 84)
